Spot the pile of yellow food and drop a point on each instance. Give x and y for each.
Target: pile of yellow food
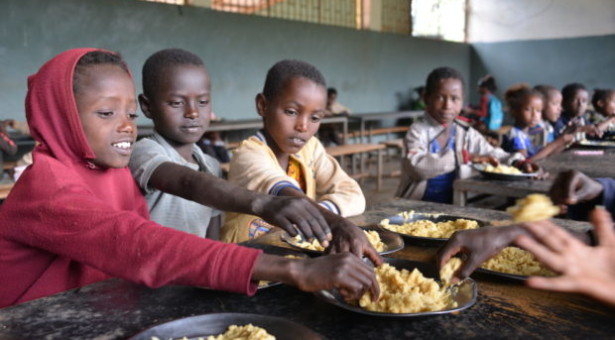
(513, 260)
(372, 236)
(247, 332)
(427, 228)
(534, 207)
(502, 169)
(402, 291)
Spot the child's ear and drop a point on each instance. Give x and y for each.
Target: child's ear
(601, 104)
(145, 105)
(261, 104)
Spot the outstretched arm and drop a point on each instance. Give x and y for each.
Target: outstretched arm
(207, 189)
(351, 276)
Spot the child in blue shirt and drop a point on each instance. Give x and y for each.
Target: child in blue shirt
(526, 106)
(574, 106)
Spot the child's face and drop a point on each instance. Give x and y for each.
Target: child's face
(607, 107)
(577, 105)
(181, 104)
(293, 116)
(553, 107)
(444, 104)
(107, 109)
(530, 112)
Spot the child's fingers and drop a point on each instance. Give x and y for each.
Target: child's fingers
(551, 235)
(545, 255)
(603, 226)
(560, 283)
(372, 255)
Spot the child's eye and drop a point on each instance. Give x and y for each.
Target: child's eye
(290, 112)
(105, 114)
(176, 103)
(204, 102)
(133, 116)
(316, 119)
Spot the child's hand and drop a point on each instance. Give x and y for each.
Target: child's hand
(346, 272)
(290, 213)
(572, 187)
(485, 159)
(583, 269)
(349, 238)
(592, 130)
(478, 245)
(526, 166)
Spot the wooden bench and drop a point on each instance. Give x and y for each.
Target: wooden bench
(380, 131)
(354, 150)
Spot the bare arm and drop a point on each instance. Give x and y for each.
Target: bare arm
(351, 276)
(347, 237)
(209, 190)
(555, 146)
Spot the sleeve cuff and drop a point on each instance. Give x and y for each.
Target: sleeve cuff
(275, 190)
(330, 206)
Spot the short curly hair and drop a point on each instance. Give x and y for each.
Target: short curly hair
(438, 74)
(154, 66)
(284, 70)
(96, 58)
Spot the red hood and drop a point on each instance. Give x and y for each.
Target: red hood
(51, 110)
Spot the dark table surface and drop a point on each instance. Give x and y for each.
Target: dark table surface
(575, 158)
(117, 309)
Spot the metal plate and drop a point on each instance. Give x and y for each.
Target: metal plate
(392, 241)
(214, 324)
(465, 296)
(397, 219)
(504, 177)
(501, 275)
(596, 144)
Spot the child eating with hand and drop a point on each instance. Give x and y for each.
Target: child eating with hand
(285, 159)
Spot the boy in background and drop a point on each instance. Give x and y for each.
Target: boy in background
(181, 184)
(440, 146)
(285, 159)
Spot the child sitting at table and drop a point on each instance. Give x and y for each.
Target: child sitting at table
(286, 159)
(603, 115)
(526, 106)
(551, 111)
(440, 147)
(574, 107)
(489, 112)
(78, 217)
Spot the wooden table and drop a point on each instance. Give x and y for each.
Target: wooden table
(592, 165)
(481, 185)
(379, 116)
(116, 309)
(360, 150)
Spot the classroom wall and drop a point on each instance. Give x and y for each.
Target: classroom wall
(588, 60)
(508, 20)
(370, 70)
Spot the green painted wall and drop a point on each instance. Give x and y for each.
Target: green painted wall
(589, 60)
(369, 69)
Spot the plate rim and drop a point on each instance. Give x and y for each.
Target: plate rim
(285, 237)
(207, 316)
(481, 224)
(494, 175)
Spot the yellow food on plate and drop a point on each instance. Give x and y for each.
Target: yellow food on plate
(534, 207)
(427, 228)
(502, 169)
(372, 236)
(448, 270)
(513, 260)
(247, 332)
(402, 291)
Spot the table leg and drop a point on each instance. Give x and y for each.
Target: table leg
(379, 171)
(460, 197)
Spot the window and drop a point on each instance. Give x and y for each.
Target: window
(439, 19)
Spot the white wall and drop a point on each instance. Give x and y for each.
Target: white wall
(509, 20)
